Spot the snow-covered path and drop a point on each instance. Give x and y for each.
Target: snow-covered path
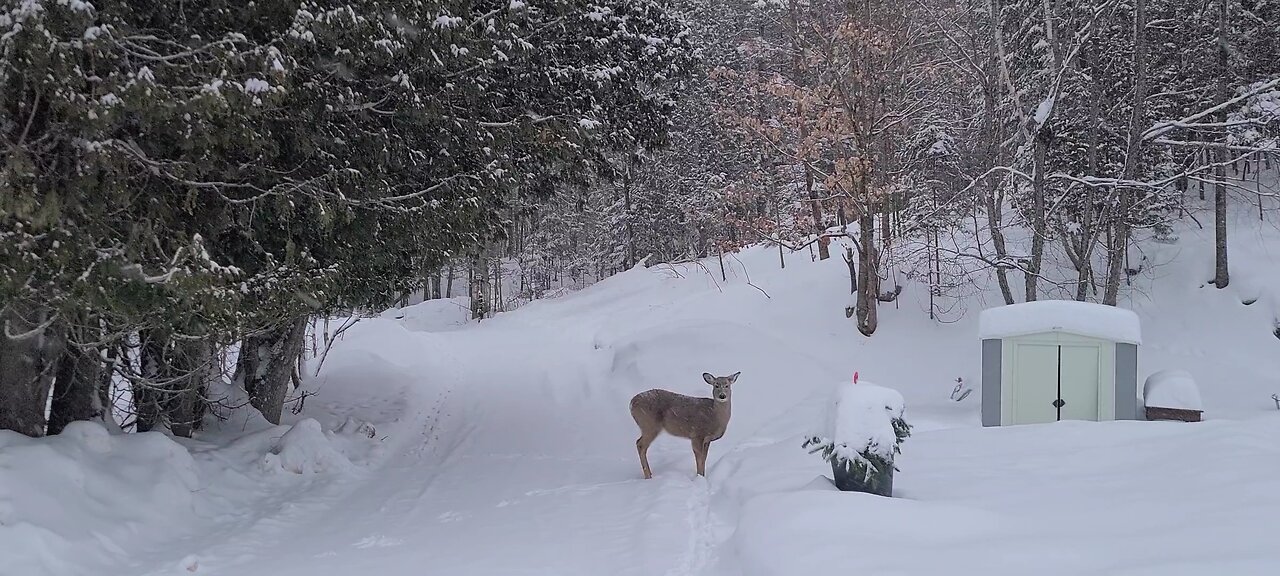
(507, 449)
(516, 457)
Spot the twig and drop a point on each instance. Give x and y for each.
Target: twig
(330, 340)
(748, 275)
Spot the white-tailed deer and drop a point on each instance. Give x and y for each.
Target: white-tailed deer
(701, 420)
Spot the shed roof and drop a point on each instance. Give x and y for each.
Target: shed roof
(1070, 316)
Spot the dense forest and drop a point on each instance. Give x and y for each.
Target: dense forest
(187, 182)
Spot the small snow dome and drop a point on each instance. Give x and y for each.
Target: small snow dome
(1172, 395)
(1056, 360)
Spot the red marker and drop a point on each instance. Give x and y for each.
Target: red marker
(855, 377)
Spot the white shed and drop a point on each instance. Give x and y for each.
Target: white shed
(1056, 360)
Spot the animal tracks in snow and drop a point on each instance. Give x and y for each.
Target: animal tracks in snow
(378, 541)
(450, 516)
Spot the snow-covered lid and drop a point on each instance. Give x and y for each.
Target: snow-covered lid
(861, 418)
(1082, 318)
(1172, 389)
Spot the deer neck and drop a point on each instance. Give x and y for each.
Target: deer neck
(722, 411)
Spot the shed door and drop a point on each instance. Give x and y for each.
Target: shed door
(1036, 379)
(1055, 381)
(1078, 382)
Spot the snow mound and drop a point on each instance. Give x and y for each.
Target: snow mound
(815, 529)
(305, 449)
(1172, 389)
(436, 315)
(85, 495)
(861, 420)
(1083, 318)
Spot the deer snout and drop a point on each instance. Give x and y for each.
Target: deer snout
(722, 397)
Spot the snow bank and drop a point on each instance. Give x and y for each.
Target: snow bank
(1172, 389)
(861, 420)
(823, 531)
(1083, 318)
(1065, 499)
(80, 497)
(305, 449)
(85, 500)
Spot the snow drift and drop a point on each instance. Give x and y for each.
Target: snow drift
(85, 495)
(515, 431)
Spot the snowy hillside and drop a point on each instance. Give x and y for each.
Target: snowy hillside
(410, 287)
(506, 447)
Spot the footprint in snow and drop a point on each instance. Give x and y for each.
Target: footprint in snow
(378, 541)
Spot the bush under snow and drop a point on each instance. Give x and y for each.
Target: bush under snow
(864, 425)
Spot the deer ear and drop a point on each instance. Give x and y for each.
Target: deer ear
(734, 378)
(709, 378)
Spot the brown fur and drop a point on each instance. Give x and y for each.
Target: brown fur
(701, 420)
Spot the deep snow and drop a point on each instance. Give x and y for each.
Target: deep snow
(506, 447)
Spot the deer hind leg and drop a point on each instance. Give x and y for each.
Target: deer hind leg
(642, 447)
(700, 449)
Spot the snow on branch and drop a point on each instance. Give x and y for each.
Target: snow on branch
(1192, 121)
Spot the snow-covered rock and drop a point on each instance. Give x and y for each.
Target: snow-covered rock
(1172, 389)
(1083, 318)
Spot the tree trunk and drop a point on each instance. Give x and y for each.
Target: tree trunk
(176, 374)
(1221, 276)
(497, 285)
(868, 275)
(993, 204)
(997, 240)
(148, 413)
(723, 277)
(1085, 239)
(26, 368)
(479, 287)
(886, 223)
(266, 364)
(852, 262)
(631, 234)
(1201, 180)
(77, 388)
(1120, 238)
(116, 356)
(1038, 230)
(824, 243)
(190, 403)
(797, 73)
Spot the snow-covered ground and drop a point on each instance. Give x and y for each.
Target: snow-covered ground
(507, 447)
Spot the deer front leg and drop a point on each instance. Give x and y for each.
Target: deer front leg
(700, 448)
(642, 447)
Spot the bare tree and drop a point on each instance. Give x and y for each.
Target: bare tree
(1221, 274)
(1121, 229)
